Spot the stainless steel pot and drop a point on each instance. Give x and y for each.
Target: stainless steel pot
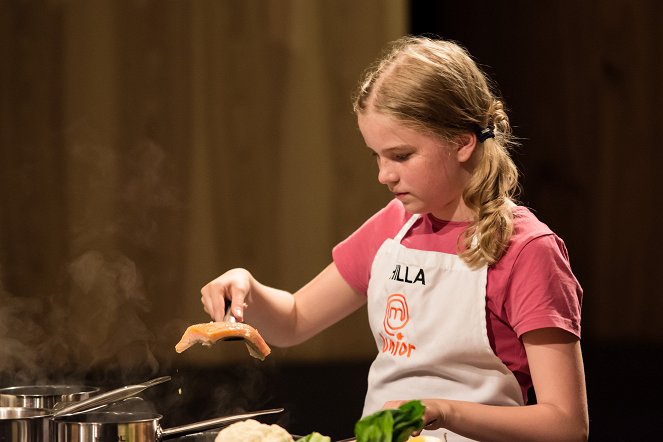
(18, 424)
(32, 424)
(131, 426)
(44, 396)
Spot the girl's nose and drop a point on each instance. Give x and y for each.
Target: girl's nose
(386, 174)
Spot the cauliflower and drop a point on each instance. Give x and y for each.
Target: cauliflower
(253, 431)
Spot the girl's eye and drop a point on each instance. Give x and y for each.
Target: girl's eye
(398, 157)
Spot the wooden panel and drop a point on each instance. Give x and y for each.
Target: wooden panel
(148, 146)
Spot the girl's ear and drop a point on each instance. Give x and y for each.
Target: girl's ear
(466, 143)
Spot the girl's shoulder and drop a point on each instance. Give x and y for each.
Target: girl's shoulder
(388, 220)
(526, 226)
(531, 237)
(533, 285)
(354, 255)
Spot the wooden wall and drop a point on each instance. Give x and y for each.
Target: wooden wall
(148, 146)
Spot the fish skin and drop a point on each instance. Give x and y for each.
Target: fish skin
(209, 332)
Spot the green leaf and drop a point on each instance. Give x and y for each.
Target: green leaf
(392, 425)
(315, 437)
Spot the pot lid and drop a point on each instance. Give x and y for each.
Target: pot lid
(106, 398)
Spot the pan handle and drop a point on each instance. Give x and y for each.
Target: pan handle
(214, 423)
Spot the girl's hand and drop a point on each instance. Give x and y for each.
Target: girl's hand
(235, 286)
(434, 417)
(283, 319)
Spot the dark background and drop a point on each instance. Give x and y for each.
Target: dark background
(573, 75)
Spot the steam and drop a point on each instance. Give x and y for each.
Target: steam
(93, 319)
(147, 193)
(19, 334)
(95, 326)
(91, 327)
(105, 299)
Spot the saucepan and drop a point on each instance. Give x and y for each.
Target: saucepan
(19, 424)
(69, 398)
(106, 426)
(31, 424)
(44, 396)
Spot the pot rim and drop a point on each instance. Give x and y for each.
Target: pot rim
(16, 413)
(108, 417)
(47, 390)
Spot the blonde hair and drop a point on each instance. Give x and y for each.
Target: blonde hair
(434, 86)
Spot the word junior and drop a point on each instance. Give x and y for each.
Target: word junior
(397, 347)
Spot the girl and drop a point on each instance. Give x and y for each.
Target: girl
(471, 299)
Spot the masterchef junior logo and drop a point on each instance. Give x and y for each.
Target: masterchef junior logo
(396, 316)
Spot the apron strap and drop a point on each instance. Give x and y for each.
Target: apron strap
(406, 227)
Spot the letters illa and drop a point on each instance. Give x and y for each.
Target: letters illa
(406, 275)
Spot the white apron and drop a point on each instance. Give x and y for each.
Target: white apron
(427, 312)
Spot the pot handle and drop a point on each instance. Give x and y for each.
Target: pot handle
(214, 423)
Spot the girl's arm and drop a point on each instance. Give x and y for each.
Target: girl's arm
(560, 414)
(283, 319)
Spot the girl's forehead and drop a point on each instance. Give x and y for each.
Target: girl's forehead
(385, 125)
(382, 131)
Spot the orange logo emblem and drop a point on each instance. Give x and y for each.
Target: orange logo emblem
(396, 316)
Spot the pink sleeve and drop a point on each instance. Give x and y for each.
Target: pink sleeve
(354, 255)
(543, 292)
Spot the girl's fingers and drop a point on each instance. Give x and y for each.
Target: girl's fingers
(238, 296)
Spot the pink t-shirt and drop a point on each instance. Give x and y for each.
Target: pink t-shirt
(530, 287)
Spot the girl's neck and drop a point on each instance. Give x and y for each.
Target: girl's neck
(459, 213)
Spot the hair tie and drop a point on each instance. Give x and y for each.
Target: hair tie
(486, 133)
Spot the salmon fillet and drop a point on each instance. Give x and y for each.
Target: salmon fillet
(210, 332)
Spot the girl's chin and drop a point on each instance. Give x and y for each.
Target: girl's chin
(413, 208)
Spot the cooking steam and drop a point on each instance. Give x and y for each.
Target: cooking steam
(93, 319)
(95, 326)
(91, 328)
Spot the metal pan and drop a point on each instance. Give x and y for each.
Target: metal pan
(18, 424)
(106, 398)
(132, 426)
(44, 396)
(31, 424)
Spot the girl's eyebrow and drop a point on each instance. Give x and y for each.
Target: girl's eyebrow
(393, 148)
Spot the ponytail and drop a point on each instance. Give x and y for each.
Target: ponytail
(490, 193)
